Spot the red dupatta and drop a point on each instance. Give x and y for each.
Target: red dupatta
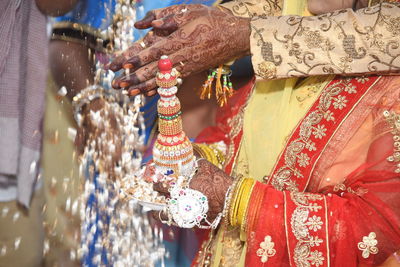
(345, 224)
(288, 227)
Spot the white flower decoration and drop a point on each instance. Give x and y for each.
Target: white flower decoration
(340, 102)
(316, 258)
(350, 88)
(303, 159)
(314, 223)
(328, 115)
(266, 249)
(362, 79)
(368, 245)
(319, 131)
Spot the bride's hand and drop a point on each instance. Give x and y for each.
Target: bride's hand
(209, 180)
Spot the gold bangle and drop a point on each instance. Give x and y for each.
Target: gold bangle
(241, 201)
(228, 201)
(245, 204)
(234, 203)
(243, 195)
(199, 151)
(211, 157)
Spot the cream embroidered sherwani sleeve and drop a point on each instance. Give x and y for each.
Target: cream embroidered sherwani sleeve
(342, 42)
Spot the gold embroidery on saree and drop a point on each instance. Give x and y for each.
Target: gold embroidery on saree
(236, 125)
(296, 156)
(302, 224)
(393, 120)
(341, 188)
(266, 249)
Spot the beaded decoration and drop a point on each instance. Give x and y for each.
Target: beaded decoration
(173, 151)
(223, 90)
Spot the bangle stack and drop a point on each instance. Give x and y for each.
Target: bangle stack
(228, 200)
(83, 98)
(238, 209)
(210, 153)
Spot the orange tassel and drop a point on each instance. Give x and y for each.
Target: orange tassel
(223, 89)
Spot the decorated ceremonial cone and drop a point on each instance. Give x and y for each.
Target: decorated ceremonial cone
(172, 152)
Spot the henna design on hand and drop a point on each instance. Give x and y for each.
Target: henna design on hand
(213, 183)
(209, 180)
(205, 37)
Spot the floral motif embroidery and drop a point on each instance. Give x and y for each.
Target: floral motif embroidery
(350, 88)
(316, 258)
(302, 224)
(393, 120)
(303, 160)
(319, 131)
(314, 223)
(393, 26)
(362, 79)
(311, 129)
(328, 116)
(266, 249)
(249, 9)
(341, 188)
(314, 39)
(329, 43)
(340, 102)
(368, 245)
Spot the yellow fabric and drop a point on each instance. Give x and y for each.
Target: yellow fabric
(274, 109)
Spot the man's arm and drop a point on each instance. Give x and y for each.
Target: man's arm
(342, 42)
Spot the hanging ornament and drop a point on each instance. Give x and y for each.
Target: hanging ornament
(223, 85)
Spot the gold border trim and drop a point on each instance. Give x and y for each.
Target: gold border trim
(337, 128)
(327, 82)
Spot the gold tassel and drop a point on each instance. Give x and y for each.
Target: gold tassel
(207, 88)
(223, 85)
(218, 87)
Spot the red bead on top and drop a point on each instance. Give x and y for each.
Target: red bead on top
(164, 64)
(167, 75)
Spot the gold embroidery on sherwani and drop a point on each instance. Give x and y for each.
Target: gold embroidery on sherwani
(340, 42)
(249, 8)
